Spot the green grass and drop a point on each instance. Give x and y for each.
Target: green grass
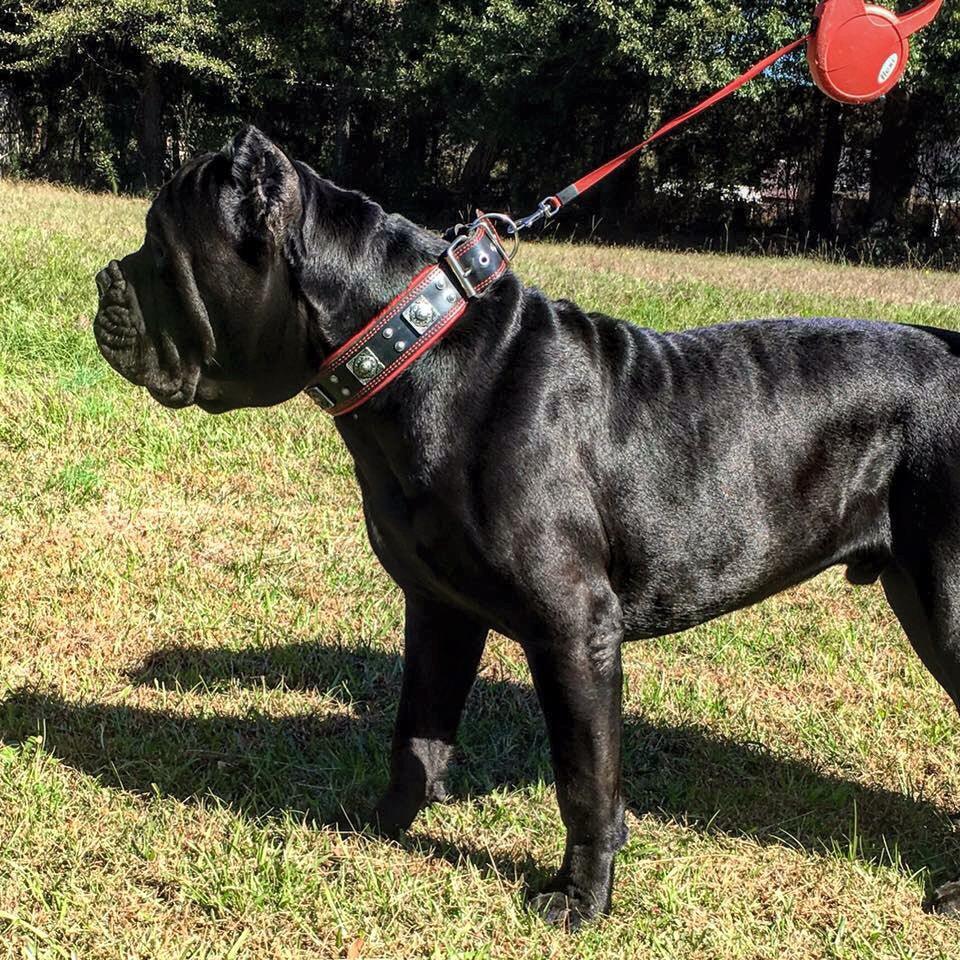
(199, 665)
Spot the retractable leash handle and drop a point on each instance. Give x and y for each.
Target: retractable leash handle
(857, 53)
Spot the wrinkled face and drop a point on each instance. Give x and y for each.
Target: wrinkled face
(206, 311)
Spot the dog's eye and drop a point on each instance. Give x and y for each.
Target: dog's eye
(161, 259)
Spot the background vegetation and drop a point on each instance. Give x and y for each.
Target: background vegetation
(199, 668)
(433, 106)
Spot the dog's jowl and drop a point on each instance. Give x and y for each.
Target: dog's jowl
(570, 480)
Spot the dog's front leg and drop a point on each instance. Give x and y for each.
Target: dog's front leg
(442, 649)
(580, 689)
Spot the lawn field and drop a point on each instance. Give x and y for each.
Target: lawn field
(200, 662)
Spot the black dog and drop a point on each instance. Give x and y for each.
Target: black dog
(569, 480)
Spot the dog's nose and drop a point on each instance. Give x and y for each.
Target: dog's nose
(108, 276)
(102, 280)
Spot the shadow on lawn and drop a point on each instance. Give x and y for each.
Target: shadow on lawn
(332, 768)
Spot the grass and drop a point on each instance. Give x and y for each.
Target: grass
(199, 664)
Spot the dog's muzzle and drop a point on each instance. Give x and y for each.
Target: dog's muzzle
(118, 325)
(121, 335)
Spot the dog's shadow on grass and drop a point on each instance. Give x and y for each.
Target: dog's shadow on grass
(332, 768)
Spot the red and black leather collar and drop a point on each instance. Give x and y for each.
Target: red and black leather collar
(413, 321)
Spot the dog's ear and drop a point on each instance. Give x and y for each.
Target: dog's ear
(268, 183)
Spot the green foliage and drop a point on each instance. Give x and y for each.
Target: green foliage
(435, 106)
(170, 33)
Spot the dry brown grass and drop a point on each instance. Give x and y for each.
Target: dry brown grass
(756, 275)
(199, 667)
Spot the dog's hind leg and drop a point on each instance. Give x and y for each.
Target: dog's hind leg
(442, 649)
(579, 680)
(927, 620)
(925, 595)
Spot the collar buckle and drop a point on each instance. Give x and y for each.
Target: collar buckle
(483, 224)
(460, 274)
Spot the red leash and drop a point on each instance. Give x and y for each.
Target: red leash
(857, 52)
(550, 207)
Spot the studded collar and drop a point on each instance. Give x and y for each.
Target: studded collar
(412, 322)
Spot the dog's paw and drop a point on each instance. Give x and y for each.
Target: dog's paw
(566, 909)
(393, 815)
(946, 900)
(383, 824)
(399, 806)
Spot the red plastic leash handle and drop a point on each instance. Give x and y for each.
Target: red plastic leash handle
(551, 206)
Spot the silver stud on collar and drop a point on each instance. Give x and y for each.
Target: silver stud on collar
(388, 333)
(365, 365)
(400, 346)
(420, 314)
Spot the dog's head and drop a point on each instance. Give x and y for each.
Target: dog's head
(208, 311)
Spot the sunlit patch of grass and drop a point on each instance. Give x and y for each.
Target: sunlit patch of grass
(199, 667)
(78, 482)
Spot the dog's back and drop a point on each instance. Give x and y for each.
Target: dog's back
(733, 461)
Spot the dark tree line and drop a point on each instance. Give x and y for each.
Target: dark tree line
(434, 107)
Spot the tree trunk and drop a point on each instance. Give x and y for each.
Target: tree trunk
(893, 170)
(479, 165)
(343, 100)
(827, 169)
(151, 127)
(341, 136)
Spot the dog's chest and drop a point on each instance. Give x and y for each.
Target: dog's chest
(426, 545)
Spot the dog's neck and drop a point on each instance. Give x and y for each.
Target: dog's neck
(350, 258)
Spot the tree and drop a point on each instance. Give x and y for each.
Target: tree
(435, 107)
(144, 51)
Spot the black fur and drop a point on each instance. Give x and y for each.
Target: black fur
(569, 480)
